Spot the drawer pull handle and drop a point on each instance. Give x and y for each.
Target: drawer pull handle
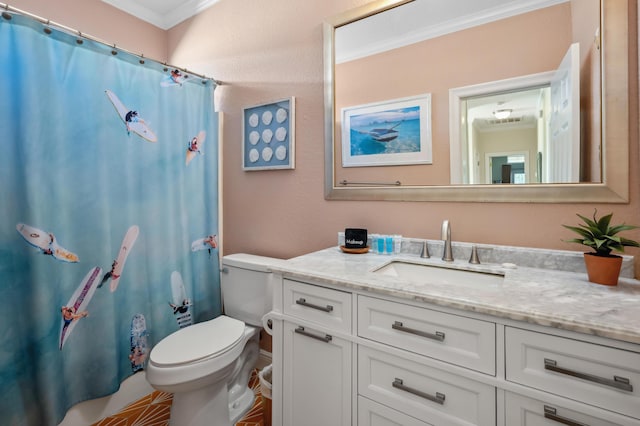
(438, 335)
(618, 382)
(326, 338)
(550, 413)
(302, 301)
(439, 398)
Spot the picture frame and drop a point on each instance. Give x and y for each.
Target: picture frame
(268, 136)
(387, 133)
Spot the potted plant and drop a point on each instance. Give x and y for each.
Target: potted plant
(602, 266)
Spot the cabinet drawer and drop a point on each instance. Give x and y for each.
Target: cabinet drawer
(458, 340)
(524, 411)
(331, 308)
(598, 375)
(424, 392)
(373, 414)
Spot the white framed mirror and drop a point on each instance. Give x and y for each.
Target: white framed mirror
(607, 182)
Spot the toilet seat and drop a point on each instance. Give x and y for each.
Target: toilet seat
(188, 345)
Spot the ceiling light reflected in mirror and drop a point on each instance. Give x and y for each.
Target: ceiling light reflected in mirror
(501, 114)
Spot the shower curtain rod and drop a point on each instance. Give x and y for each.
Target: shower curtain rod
(7, 8)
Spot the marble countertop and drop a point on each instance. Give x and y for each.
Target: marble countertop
(560, 299)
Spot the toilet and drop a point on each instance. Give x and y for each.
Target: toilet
(207, 365)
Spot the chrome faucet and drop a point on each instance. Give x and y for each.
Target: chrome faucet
(447, 253)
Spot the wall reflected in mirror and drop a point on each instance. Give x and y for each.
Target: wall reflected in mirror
(503, 137)
(435, 47)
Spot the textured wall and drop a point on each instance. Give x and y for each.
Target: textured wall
(267, 50)
(272, 49)
(102, 21)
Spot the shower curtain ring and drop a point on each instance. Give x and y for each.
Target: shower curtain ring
(6, 15)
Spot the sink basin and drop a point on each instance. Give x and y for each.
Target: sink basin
(420, 272)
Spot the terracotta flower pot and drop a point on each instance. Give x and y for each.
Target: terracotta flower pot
(603, 269)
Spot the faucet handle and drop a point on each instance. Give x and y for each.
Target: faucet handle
(447, 252)
(425, 250)
(474, 255)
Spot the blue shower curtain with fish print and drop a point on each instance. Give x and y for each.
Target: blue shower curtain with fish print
(108, 216)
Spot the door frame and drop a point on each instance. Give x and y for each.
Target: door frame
(458, 94)
(488, 156)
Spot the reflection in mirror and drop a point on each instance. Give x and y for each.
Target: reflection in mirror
(539, 114)
(480, 50)
(500, 132)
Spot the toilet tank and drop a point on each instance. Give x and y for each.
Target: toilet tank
(247, 286)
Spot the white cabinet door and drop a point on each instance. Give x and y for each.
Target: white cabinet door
(317, 378)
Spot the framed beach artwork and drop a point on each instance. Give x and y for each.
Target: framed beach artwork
(268, 136)
(389, 133)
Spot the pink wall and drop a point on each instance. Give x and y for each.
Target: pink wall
(102, 21)
(268, 50)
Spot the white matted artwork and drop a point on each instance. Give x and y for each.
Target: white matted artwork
(268, 135)
(393, 132)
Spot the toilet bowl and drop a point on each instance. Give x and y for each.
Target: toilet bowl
(206, 366)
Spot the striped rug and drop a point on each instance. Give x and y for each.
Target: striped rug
(154, 410)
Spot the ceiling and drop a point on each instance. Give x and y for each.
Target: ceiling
(421, 20)
(162, 13)
(523, 106)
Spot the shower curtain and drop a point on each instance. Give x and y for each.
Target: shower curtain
(108, 215)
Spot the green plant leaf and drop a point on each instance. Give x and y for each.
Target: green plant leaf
(580, 231)
(629, 243)
(600, 235)
(590, 223)
(619, 228)
(603, 223)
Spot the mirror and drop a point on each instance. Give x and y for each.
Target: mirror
(598, 182)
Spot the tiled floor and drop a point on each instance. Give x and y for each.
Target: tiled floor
(154, 410)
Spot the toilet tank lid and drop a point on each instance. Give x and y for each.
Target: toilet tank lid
(251, 261)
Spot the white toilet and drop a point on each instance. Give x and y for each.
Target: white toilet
(207, 365)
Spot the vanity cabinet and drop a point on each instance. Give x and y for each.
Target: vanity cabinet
(317, 378)
(356, 357)
(373, 414)
(424, 392)
(456, 339)
(323, 306)
(316, 361)
(524, 411)
(598, 375)
(417, 388)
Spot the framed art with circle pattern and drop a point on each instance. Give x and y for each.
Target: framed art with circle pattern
(268, 136)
